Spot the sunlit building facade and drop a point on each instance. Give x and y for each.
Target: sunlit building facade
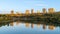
(44, 10)
(27, 12)
(17, 14)
(12, 12)
(51, 10)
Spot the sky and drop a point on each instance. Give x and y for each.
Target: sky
(21, 5)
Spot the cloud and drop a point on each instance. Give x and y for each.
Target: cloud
(41, 5)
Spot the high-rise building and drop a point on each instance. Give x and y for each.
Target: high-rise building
(38, 11)
(44, 10)
(12, 12)
(32, 11)
(51, 10)
(27, 12)
(17, 14)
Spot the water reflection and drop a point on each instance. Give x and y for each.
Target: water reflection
(17, 22)
(12, 24)
(44, 26)
(38, 25)
(51, 27)
(31, 25)
(27, 24)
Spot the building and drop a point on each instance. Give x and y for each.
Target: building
(38, 11)
(51, 10)
(12, 12)
(27, 12)
(17, 14)
(32, 11)
(44, 10)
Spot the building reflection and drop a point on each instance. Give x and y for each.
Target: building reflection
(12, 24)
(38, 25)
(32, 25)
(27, 24)
(17, 22)
(51, 27)
(44, 26)
(32, 11)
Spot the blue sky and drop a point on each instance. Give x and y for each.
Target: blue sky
(21, 5)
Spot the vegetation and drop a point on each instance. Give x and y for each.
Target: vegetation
(47, 19)
(54, 18)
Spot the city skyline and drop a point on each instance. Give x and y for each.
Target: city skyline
(27, 11)
(21, 5)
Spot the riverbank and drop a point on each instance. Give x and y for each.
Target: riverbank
(54, 18)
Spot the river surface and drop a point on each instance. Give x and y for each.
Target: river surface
(28, 28)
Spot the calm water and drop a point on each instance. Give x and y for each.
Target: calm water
(28, 28)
